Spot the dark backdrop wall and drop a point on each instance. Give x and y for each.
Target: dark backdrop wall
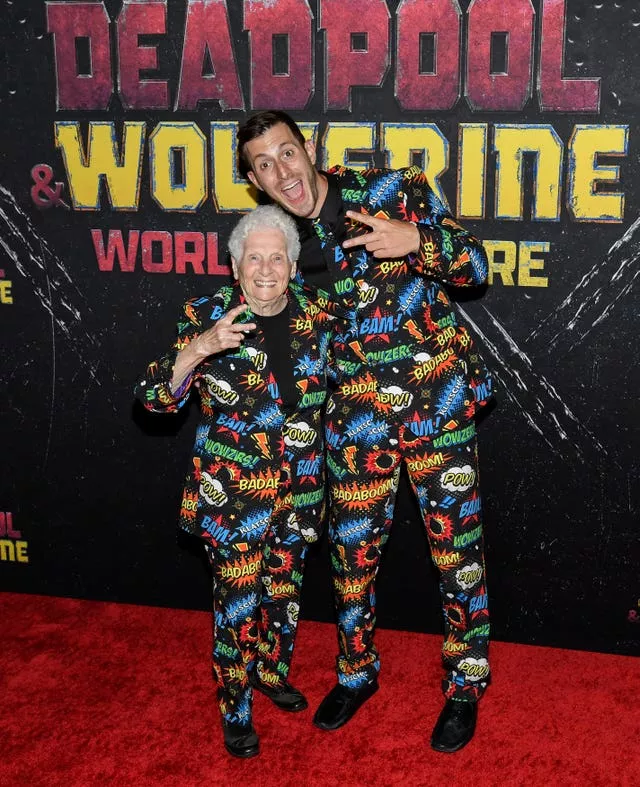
(118, 190)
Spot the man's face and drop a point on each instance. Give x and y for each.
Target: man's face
(284, 169)
(264, 269)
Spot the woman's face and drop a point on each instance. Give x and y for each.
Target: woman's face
(264, 270)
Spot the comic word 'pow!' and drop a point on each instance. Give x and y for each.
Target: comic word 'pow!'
(469, 576)
(221, 390)
(299, 434)
(395, 397)
(211, 490)
(458, 479)
(474, 669)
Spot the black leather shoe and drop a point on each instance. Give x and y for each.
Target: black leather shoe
(340, 704)
(285, 696)
(240, 740)
(455, 726)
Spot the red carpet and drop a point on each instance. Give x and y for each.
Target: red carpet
(108, 694)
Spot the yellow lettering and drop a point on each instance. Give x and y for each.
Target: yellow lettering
(507, 250)
(446, 560)
(455, 647)
(168, 141)
(402, 142)
(586, 144)
(5, 292)
(511, 142)
(231, 191)
(285, 589)
(344, 139)
(7, 550)
(472, 170)
(527, 262)
(121, 170)
(21, 552)
(388, 266)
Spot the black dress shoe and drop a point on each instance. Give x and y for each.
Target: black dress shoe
(240, 740)
(285, 696)
(455, 726)
(340, 704)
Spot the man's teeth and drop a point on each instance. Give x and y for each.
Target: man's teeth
(293, 185)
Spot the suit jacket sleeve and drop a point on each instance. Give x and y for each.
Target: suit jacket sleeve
(154, 389)
(447, 251)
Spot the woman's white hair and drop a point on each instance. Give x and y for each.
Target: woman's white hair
(265, 217)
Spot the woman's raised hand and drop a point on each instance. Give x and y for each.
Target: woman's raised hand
(224, 335)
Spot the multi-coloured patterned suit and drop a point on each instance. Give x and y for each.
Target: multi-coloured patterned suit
(255, 487)
(410, 381)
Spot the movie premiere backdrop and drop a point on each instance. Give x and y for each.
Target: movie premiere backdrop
(118, 190)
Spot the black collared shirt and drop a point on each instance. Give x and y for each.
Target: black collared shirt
(312, 263)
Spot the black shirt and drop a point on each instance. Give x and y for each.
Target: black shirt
(312, 264)
(277, 340)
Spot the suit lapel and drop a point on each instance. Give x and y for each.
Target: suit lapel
(352, 264)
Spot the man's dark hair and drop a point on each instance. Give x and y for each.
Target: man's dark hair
(256, 127)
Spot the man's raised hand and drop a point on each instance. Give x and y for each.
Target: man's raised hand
(388, 239)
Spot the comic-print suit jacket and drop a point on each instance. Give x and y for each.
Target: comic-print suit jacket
(245, 437)
(406, 354)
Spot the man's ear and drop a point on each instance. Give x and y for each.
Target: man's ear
(310, 147)
(254, 180)
(234, 267)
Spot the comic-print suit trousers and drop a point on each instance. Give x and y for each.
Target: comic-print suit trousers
(255, 606)
(443, 473)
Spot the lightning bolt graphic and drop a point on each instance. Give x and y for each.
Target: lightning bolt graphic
(261, 441)
(355, 346)
(413, 329)
(349, 457)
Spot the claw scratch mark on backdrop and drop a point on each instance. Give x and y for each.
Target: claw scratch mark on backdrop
(52, 401)
(532, 393)
(611, 278)
(31, 254)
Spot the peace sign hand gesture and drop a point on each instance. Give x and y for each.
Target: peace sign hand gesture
(388, 239)
(224, 335)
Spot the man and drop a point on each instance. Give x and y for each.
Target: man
(379, 243)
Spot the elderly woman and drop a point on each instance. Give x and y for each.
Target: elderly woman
(255, 487)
